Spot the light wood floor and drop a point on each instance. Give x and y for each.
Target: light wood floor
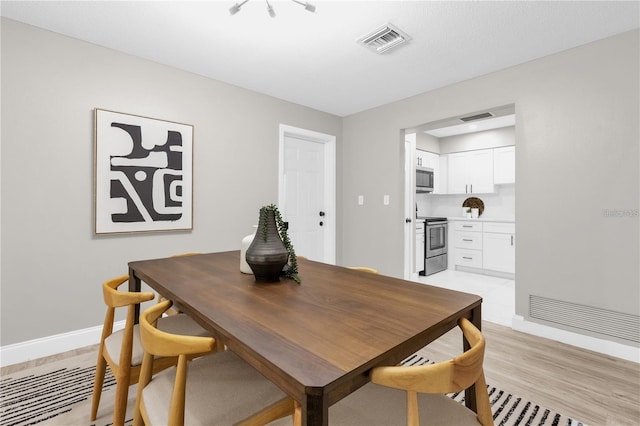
(588, 386)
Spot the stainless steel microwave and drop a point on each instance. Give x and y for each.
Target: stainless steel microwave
(424, 179)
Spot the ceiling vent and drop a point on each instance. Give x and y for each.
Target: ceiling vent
(384, 39)
(477, 116)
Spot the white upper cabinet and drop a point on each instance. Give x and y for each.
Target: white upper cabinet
(504, 165)
(432, 161)
(420, 158)
(458, 178)
(471, 172)
(443, 176)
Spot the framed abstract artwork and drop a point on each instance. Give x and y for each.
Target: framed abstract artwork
(143, 174)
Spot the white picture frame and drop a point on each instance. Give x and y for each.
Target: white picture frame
(143, 174)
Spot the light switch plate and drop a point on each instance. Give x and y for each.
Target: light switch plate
(385, 200)
(360, 200)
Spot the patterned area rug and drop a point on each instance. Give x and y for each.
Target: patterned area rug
(59, 393)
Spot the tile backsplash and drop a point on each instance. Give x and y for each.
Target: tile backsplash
(499, 205)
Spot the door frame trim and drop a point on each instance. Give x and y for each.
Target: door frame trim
(408, 146)
(329, 144)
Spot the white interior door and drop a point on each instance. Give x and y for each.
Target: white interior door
(307, 193)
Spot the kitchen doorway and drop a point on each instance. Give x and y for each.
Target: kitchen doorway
(477, 149)
(307, 191)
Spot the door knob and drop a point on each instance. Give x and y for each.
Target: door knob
(407, 220)
(321, 223)
(321, 214)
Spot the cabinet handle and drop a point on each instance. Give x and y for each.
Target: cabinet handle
(467, 226)
(472, 188)
(465, 189)
(464, 239)
(467, 258)
(512, 240)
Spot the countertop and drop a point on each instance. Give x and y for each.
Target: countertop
(483, 219)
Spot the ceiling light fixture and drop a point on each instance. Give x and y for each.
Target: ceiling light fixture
(236, 7)
(272, 12)
(308, 6)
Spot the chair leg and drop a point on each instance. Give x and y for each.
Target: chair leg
(98, 381)
(122, 395)
(413, 418)
(297, 414)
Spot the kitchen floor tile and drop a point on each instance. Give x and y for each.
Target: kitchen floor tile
(498, 294)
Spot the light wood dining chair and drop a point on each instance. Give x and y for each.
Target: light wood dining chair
(397, 394)
(217, 389)
(364, 269)
(122, 350)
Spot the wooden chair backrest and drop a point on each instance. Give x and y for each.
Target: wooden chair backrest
(194, 253)
(443, 377)
(115, 298)
(160, 343)
(364, 269)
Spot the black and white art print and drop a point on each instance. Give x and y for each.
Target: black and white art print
(144, 176)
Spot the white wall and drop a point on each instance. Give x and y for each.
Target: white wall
(427, 142)
(577, 132)
(493, 138)
(52, 263)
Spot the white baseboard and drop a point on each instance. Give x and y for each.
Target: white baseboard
(51, 345)
(607, 347)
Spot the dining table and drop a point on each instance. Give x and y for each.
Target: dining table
(317, 340)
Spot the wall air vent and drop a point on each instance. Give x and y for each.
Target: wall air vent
(384, 39)
(477, 116)
(589, 318)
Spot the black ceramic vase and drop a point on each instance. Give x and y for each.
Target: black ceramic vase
(267, 257)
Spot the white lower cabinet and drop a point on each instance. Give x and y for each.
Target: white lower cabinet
(486, 246)
(419, 266)
(469, 258)
(499, 247)
(468, 244)
(469, 240)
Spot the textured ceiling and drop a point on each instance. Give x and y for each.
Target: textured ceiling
(313, 59)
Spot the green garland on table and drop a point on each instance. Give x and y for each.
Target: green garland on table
(292, 271)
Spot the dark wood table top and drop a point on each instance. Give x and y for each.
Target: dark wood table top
(316, 340)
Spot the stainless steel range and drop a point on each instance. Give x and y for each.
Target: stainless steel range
(435, 245)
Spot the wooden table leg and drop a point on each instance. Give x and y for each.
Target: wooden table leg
(470, 393)
(135, 285)
(316, 411)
